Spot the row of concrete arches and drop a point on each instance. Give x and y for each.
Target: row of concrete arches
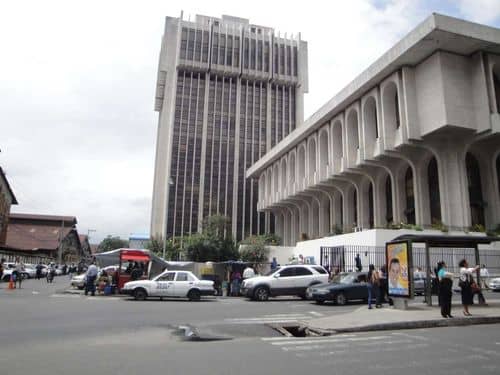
(408, 188)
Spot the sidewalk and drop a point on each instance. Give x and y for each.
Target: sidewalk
(389, 318)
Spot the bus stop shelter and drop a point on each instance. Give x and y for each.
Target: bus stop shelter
(446, 241)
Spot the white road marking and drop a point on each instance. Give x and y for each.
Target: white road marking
(65, 295)
(267, 318)
(316, 313)
(340, 339)
(299, 339)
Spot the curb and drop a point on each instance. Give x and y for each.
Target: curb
(434, 323)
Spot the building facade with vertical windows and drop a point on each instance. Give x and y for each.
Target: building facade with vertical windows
(227, 92)
(413, 140)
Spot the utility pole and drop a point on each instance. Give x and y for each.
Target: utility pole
(61, 238)
(88, 239)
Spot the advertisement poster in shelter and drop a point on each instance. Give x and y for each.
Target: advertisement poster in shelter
(399, 264)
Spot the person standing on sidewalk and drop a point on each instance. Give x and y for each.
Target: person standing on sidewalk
(485, 275)
(465, 284)
(91, 276)
(2, 261)
(18, 269)
(372, 283)
(445, 289)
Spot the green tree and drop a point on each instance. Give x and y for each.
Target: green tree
(111, 243)
(215, 243)
(254, 249)
(158, 246)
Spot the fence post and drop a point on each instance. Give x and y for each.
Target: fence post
(428, 286)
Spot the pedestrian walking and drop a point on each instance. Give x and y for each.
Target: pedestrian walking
(359, 266)
(91, 276)
(39, 268)
(235, 283)
(274, 264)
(445, 289)
(248, 272)
(465, 284)
(2, 261)
(383, 284)
(485, 276)
(372, 283)
(18, 270)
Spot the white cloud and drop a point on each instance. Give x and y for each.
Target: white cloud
(482, 11)
(76, 101)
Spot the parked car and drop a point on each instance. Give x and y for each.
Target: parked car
(420, 280)
(345, 287)
(494, 284)
(6, 274)
(292, 280)
(29, 271)
(183, 284)
(78, 281)
(9, 268)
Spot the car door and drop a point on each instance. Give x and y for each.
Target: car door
(164, 285)
(303, 278)
(284, 282)
(183, 283)
(359, 289)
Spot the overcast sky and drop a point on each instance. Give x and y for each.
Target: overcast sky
(77, 83)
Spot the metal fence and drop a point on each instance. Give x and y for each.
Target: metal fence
(342, 258)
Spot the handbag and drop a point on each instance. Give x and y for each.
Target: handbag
(464, 281)
(475, 288)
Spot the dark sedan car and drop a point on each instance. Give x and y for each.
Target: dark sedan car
(343, 288)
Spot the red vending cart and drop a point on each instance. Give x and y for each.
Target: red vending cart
(133, 255)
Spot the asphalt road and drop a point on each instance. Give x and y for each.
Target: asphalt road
(43, 332)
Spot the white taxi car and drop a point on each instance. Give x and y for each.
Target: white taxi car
(183, 284)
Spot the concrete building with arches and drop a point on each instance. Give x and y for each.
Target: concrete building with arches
(414, 139)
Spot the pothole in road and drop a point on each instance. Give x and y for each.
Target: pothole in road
(294, 330)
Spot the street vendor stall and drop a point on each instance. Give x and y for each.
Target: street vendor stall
(149, 264)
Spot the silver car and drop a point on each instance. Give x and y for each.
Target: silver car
(494, 284)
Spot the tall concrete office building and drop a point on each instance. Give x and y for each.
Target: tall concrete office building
(227, 91)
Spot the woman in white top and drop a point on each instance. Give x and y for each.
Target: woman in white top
(466, 284)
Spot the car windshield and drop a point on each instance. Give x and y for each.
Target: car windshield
(272, 271)
(344, 278)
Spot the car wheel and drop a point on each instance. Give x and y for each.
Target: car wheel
(140, 294)
(320, 302)
(261, 294)
(341, 299)
(303, 296)
(194, 295)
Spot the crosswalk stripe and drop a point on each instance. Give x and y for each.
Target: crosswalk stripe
(331, 340)
(65, 296)
(268, 318)
(300, 339)
(283, 315)
(316, 313)
(276, 321)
